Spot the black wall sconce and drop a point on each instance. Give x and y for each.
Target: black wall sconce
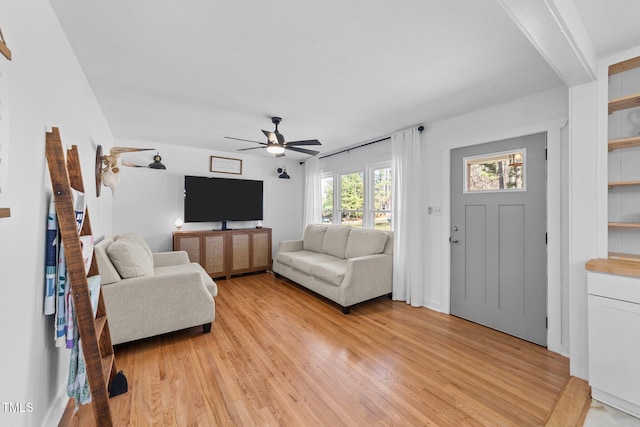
(157, 164)
(283, 173)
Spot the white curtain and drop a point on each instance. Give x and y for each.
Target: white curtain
(312, 192)
(408, 221)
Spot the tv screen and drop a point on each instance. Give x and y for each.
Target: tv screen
(222, 199)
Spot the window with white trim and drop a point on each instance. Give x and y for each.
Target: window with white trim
(359, 199)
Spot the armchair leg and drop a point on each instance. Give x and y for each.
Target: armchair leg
(346, 310)
(206, 328)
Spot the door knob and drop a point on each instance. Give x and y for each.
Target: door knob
(454, 240)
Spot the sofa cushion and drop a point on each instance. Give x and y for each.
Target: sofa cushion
(313, 237)
(331, 272)
(364, 242)
(287, 258)
(130, 259)
(306, 264)
(335, 240)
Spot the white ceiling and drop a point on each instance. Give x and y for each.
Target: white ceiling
(344, 72)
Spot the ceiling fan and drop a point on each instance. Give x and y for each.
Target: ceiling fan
(276, 144)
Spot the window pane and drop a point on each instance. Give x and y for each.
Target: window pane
(352, 218)
(327, 199)
(496, 172)
(382, 189)
(352, 191)
(382, 221)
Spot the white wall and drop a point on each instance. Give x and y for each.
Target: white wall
(148, 201)
(46, 87)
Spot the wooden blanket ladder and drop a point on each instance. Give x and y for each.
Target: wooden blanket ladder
(94, 331)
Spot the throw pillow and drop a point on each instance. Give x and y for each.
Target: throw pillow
(130, 259)
(136, 238)
(365, 242)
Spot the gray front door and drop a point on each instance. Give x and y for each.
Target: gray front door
(498, 236)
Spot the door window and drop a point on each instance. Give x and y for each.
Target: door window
(504, 171)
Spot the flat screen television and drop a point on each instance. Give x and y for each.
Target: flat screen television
(222, 199)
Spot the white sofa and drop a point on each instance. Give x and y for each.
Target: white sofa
(148, 294)
(346, 265)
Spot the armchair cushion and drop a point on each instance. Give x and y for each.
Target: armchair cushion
(130, 259)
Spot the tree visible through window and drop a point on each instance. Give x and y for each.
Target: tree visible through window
(327, 199)
(382, 198)
(358, 199)
(496, 172)
(352, 199)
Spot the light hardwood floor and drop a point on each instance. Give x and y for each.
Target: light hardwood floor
(279, 355)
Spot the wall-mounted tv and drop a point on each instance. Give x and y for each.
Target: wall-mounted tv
(222, 199)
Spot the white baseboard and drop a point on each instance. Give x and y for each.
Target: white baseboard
(54, 415)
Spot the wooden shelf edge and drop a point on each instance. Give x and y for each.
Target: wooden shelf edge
(629, 64)
(623, 183)
(614, 266)
(623, 103)
(5, 212)
(624, 256)
(624, 224)
(616, 144)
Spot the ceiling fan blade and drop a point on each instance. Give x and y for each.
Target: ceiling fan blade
(271, 137)
(280, 137)
(251, 148)
(306, 142)
(302, 150)
(246, 140)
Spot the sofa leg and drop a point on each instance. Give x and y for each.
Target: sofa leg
(206, 328)
(390, 295)
(346, 310)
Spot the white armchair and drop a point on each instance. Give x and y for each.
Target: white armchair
(148, 294)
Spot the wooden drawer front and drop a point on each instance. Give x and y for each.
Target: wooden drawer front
(261, 243)
(214, 262)
(190, 244)
(240, 252)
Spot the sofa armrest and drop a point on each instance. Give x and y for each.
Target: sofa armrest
(164, 259)
(290, 246)
(367, 277)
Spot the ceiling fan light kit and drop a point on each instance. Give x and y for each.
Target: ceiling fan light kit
(275, 148)
(276, 143)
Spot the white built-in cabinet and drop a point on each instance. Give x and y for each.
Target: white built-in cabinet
(614, 282)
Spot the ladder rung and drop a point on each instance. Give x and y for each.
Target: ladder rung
(107, 364)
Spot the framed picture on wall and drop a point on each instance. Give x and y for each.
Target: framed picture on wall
(225, 165)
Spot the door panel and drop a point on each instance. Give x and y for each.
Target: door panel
(498, 237)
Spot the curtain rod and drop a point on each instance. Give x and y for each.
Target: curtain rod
(346, 150)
